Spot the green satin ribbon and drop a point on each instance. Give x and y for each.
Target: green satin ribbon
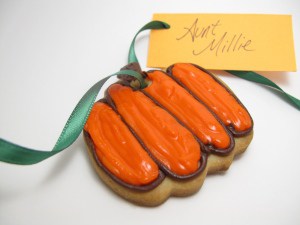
(157, 25)
(257, 78)
(16, 154)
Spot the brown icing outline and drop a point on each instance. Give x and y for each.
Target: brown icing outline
(147, 187)
(202, 161)
(230, 126)
(162, 168)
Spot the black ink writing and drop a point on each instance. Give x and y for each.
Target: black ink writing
(210, 39)
(195, 31)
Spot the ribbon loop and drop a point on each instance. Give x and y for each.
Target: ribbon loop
(153, 25)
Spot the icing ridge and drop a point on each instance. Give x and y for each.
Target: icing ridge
(192, 113)
(178, 152)
(219, 98)
(117, 149)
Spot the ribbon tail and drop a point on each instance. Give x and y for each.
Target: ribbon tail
(257, 78)
(16, 154)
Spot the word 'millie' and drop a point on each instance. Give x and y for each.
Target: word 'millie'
(218, 42)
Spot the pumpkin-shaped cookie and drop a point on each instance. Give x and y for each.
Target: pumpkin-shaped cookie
(159, 141)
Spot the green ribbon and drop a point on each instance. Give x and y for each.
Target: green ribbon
(16, 154)
(157, 25)
(12, 153)
(257, 78)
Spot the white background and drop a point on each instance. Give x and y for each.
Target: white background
(51, 52)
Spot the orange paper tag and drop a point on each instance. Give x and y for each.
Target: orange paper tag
(224, 42)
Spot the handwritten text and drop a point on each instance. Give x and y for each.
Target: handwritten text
(211, 39)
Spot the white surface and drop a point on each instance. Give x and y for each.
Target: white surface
(58, 49)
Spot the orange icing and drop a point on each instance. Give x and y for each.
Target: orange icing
(117, 149)
(214, 95)
(187, 109)
(171, 143)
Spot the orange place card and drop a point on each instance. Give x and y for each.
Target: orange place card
(224, 41)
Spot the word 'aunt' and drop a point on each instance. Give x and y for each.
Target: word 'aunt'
(218, 41)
